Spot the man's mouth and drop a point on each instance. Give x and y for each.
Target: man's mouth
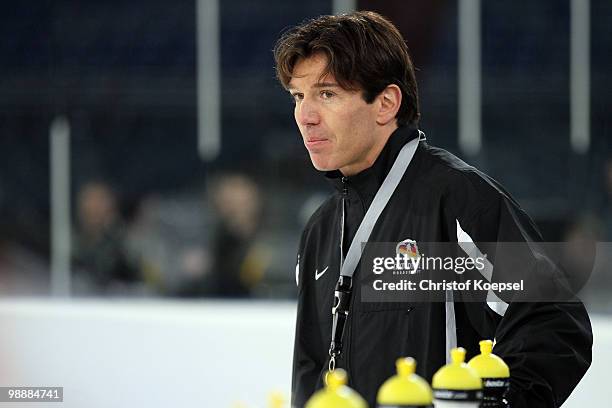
(314, 142)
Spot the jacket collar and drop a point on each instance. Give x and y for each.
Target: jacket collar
(369, 180)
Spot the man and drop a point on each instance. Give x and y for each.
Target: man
(100, 250)
(357, 109)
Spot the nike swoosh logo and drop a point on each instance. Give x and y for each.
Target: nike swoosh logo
(318, 275)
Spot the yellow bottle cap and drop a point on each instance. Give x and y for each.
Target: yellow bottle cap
(487, 364)
(405, 388)
(336, 393)
(276, 400)
(457, 375)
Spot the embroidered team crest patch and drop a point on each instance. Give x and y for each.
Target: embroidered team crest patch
(409, 248)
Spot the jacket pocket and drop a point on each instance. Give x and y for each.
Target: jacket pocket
(381, 333)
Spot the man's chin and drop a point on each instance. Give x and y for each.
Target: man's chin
(321, 165)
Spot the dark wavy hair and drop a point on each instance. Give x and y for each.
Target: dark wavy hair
(364, 50)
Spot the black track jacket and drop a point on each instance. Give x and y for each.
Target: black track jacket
(546, 345)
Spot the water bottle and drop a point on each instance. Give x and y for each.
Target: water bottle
(405, 389)
(336, 393)
(494, 373)
(456, 385)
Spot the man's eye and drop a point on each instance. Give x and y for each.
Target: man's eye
(297, 96)
(326, 94)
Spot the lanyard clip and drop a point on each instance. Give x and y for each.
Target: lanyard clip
(340, 311)
(332, 363)
(342, 295)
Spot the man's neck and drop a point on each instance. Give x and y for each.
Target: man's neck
(371, 155)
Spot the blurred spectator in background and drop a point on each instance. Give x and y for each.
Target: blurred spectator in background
(102, 264)
(238, 265)
(580, 251)
(587, 250)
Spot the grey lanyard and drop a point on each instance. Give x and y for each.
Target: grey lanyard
(342, 294)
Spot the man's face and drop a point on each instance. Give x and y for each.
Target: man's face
(338, 127)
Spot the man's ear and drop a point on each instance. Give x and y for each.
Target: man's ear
(390, 100)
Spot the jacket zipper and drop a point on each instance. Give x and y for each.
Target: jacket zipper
(349, 322)
(344, 196)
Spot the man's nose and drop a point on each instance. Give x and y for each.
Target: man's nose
(306, 113)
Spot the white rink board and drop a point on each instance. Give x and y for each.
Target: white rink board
(126, 353)
(121, 353)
